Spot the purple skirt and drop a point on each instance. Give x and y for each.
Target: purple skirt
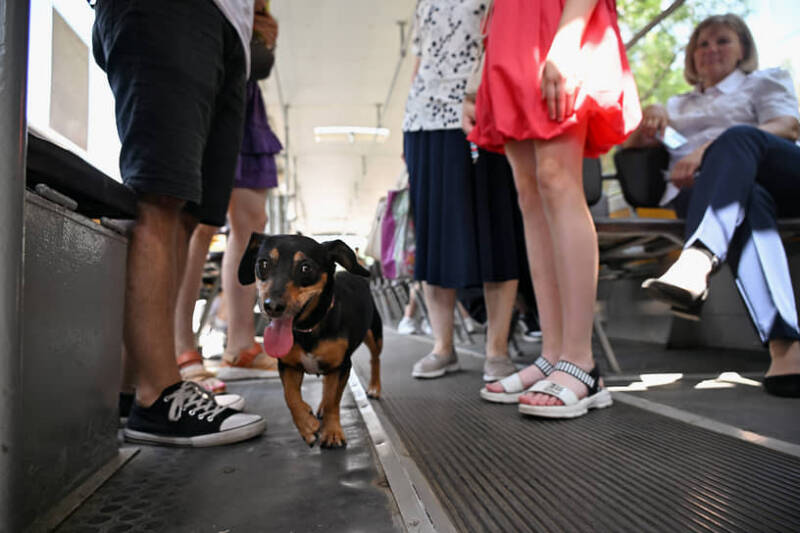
(256, 167)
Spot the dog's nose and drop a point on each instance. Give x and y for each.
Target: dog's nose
(274, 306)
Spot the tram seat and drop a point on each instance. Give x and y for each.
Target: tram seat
(629, 240)
(72, 300)
(642, 245)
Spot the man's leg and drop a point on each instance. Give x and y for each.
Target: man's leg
(149, 296)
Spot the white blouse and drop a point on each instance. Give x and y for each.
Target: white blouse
(447, 40)
(739, 99)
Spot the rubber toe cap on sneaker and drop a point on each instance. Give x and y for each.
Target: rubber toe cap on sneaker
(231, 401)
(240, 420)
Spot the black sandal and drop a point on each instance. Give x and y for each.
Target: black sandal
(785, 385)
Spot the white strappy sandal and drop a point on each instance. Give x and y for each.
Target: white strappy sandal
(513, 387)
(598, 398)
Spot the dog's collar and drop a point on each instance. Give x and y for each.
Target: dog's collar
(309, 330)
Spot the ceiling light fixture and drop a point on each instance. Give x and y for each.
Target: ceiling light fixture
(350, 134)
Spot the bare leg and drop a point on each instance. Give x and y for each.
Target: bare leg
(411, 306)
(245, 214)
(538, 244)
(499, 298)
(785, 357)
(150, 290)
(128, 381)
(190, 287)
(189, 361)
(441, 303)
(559, 175)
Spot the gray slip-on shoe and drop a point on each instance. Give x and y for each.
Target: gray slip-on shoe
(435, 366)
(496, 368)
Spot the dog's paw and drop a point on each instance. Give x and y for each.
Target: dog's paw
(332, 437)
(311, 440)
(374, 392)
(309, 429)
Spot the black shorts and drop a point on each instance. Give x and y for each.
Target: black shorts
(177, 71)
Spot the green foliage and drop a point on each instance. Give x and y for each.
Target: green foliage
(657, 59)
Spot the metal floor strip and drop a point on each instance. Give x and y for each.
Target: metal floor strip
(417, 504)
(709, 424)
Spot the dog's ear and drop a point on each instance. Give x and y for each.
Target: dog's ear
(247, 266)
(342, 254)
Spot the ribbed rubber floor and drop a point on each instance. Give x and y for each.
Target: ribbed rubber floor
(618, 469)
(271, 483)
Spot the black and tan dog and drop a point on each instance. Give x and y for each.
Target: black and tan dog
(317, 318)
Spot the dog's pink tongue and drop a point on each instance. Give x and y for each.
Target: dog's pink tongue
(278, 338)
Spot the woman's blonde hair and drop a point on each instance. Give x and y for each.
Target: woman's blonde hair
(749, 62)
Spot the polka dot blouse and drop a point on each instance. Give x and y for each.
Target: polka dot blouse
(447, 41)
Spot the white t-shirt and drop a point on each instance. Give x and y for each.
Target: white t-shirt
(739, 99)
(240, 14)
(447, 40)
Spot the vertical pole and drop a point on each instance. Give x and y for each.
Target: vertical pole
(13, 136)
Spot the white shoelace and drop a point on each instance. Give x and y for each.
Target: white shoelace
(191, 398)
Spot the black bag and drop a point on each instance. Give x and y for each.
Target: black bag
(261, 59)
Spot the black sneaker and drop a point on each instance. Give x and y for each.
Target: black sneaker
(187, 415)
(231, 401)
(124, 405)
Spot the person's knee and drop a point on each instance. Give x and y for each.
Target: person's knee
(247, 222)
(156, 211)
(528, 198)
(205, 232)
(553, 179)
(527, 191)
(247, 216)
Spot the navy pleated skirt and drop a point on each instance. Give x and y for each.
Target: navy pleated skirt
(468, 227)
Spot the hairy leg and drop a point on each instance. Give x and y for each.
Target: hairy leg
(150, 291)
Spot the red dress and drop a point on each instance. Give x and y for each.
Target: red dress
(509, 104)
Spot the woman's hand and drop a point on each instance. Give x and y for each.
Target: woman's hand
(654, 121)
(682, 174)
(560, 84)
(468, 115)
(561, 77)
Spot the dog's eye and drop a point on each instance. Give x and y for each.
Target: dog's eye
(262, 269)
(305, 268)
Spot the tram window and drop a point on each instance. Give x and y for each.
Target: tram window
(69, 90)
(69, 100)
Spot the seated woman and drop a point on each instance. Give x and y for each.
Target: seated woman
(738, 171)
